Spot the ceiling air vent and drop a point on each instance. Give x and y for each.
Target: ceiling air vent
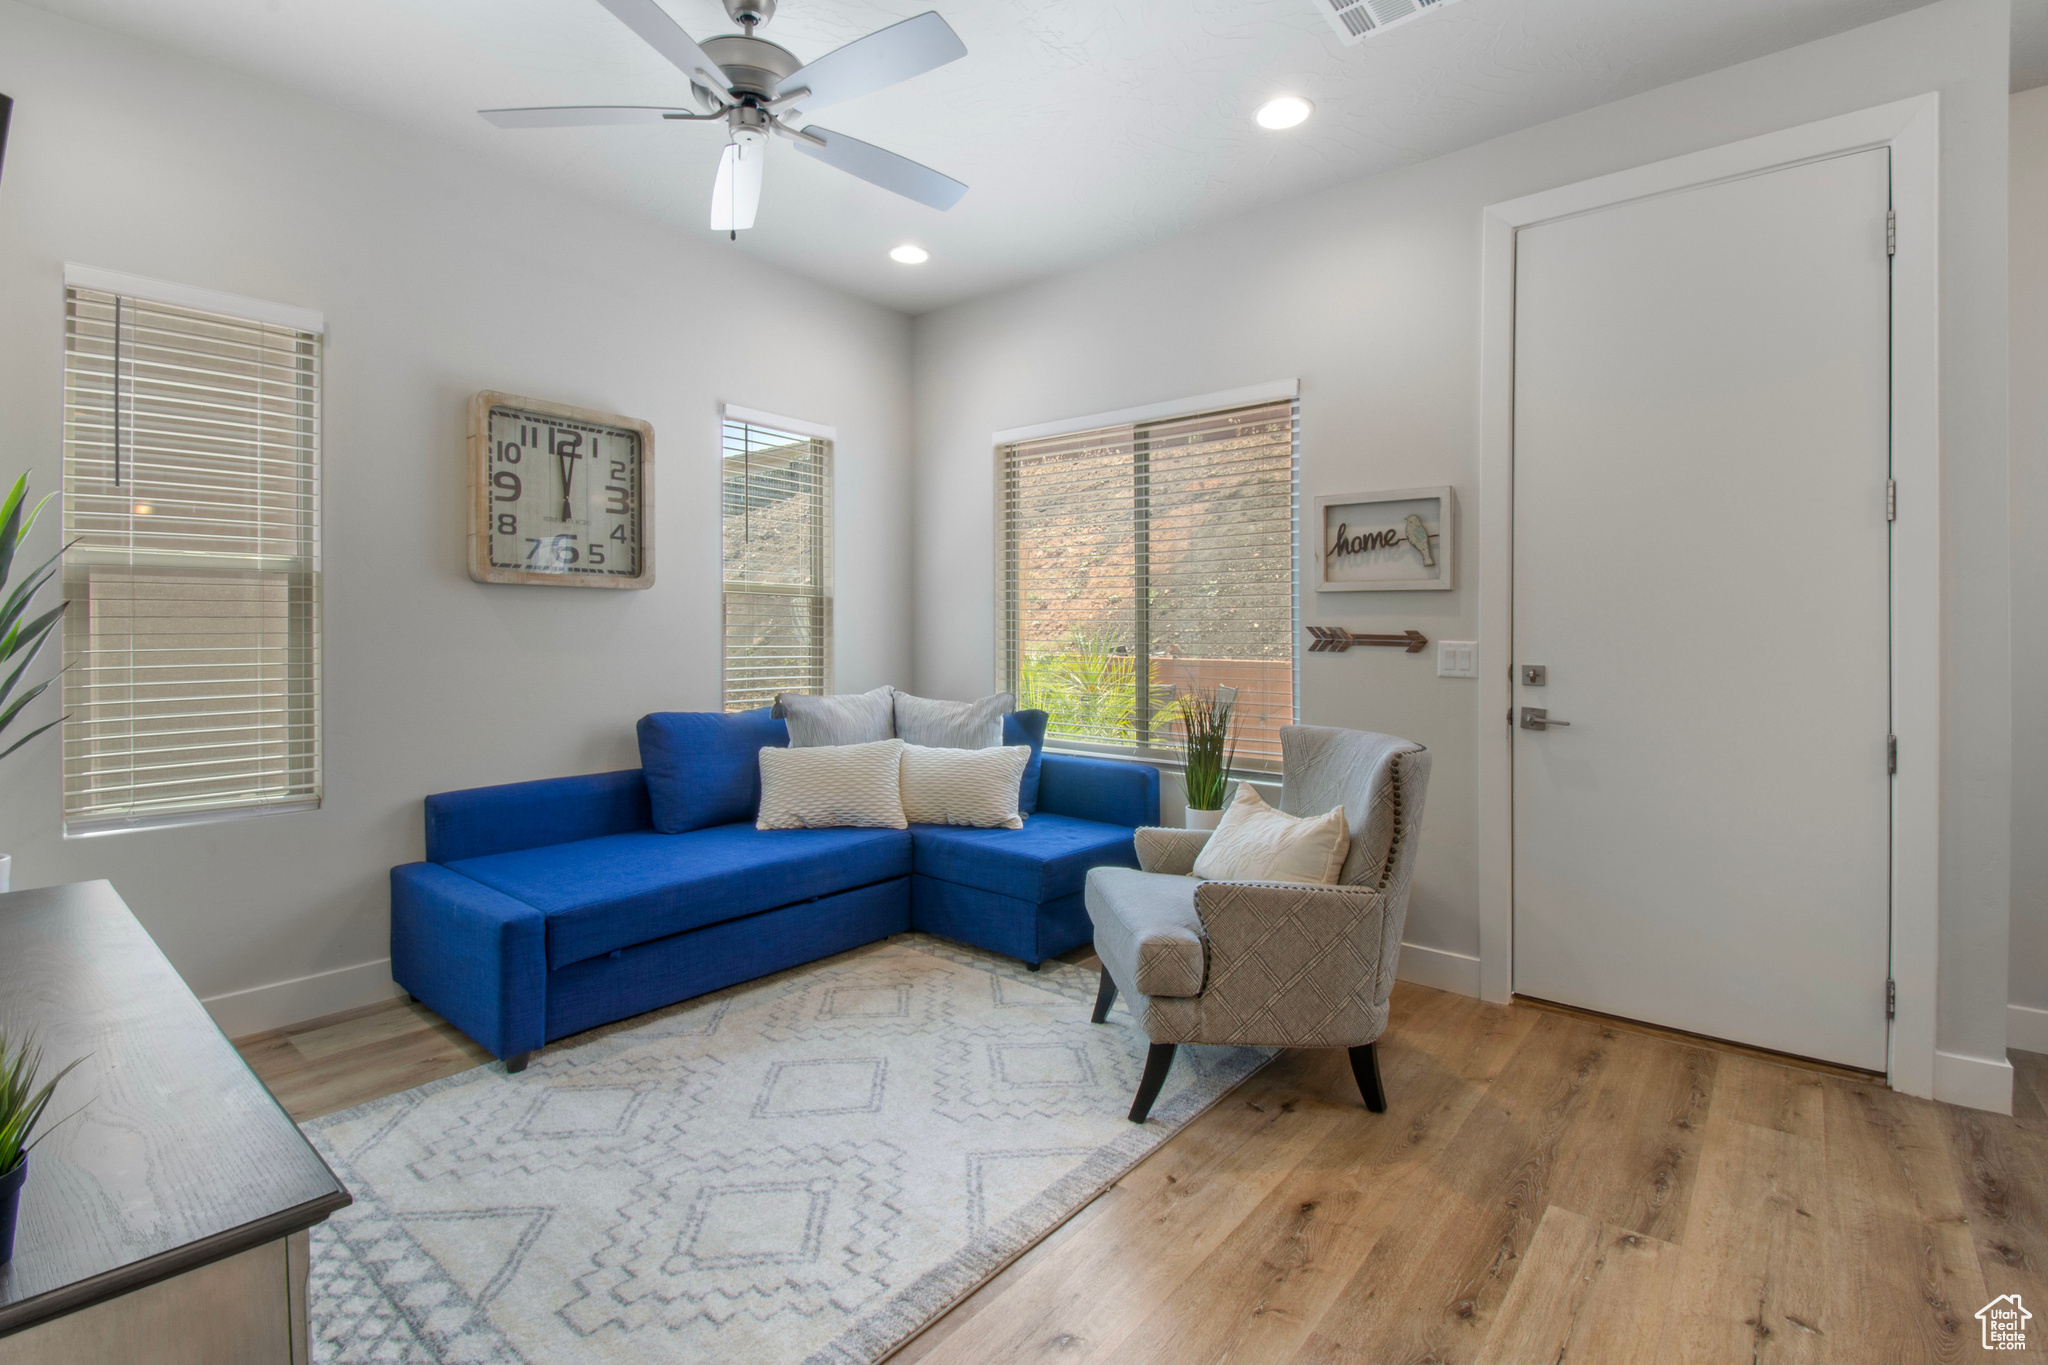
(1357, 20)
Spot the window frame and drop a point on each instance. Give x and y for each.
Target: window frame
(822, 534)
(248, 312)
(1162, 751)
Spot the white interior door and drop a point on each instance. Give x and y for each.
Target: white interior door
(1701, 565)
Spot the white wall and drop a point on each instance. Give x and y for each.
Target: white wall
(438, 278)
(1369, 294)
(2029, 264)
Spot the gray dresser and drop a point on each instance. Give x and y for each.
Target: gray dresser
(167, 1223)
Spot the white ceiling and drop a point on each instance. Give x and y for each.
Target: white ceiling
(1086, 128)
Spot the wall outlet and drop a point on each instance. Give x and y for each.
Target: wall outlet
(1457, 658)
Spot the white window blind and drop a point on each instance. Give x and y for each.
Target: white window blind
(191, 508)
(778, 564)
(1143, 562)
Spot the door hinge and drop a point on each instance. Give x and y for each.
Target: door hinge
(1891, 754)
(1891, 232)
(1891, 499)
(1891, 998)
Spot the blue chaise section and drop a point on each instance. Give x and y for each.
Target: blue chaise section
(1018, 891)
(546, 908)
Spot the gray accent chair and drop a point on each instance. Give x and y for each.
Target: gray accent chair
(1271, 964)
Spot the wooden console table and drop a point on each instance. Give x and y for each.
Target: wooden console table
(167, 1222)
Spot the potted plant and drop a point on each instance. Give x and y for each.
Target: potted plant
(1206, 752)
(21, 641)
(21, 1107)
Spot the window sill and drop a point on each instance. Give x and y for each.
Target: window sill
(1160, 760)
(93, 829)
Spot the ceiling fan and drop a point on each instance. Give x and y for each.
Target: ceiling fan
(755, 87)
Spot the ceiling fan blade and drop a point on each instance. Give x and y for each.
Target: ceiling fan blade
(737, 193)
(583, 116)
(665, 36)
(898, 174)
(877, 61)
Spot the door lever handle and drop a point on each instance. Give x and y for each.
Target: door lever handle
(1538, 718)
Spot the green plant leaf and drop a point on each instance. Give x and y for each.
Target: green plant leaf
(32, 734)
(18, 600)
(28, 523)
(34, 635)
(10, 525)
(7, 716)
(21, 1109)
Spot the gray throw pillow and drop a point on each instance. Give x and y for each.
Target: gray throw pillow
(953, 724)
(847, 718)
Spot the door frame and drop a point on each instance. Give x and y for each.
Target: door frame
(1910, 128)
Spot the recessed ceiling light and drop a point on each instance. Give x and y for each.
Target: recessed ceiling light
(908, 254)
(1284, 112)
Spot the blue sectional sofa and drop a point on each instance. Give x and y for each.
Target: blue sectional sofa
(546, 908)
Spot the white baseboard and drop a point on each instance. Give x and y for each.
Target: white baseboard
(1440, 969)
(2026, 1028)
(1973, 1082)
(262, 1008)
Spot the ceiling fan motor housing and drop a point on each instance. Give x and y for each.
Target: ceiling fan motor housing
(750, 12)
(754, 66)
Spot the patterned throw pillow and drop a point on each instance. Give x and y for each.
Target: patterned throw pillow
(1255, 843)
(832, 786)
(953, 724)
(845, 718)
(976, 787)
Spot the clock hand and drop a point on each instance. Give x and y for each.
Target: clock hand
(566, 462)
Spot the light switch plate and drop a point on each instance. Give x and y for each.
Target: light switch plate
(1457, 658)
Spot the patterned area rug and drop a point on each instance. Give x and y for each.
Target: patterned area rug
(806, 1168)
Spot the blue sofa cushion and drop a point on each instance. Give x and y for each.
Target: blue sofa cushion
(1027, 727)
(1043, 861)
(555, 810)
(1112, 790)
(704, 767)
(601, 895)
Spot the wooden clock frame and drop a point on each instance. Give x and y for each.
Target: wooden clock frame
(480, 567)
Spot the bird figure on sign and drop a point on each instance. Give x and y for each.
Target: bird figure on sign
(1418, 536)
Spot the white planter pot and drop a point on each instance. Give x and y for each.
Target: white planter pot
(6, 871)
(1203, 819)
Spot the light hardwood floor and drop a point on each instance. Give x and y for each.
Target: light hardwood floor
(1546, 1187)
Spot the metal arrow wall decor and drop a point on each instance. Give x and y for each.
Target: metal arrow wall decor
(1336, 639)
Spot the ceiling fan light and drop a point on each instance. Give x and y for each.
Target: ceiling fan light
(1284, 111)
(909, 254)
(737, 192)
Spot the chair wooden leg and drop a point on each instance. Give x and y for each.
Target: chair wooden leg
(1105, 996)
(1365, 1066)
(1033, 966)
(1157, 1063)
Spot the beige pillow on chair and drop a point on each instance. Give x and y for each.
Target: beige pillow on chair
(1255, 843)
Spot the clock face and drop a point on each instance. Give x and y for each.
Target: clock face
(563, 498)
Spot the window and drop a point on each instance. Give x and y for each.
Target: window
(1145, 561)
(191, 508)
(778, 564)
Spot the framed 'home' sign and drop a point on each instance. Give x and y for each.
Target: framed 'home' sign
(1397, 541)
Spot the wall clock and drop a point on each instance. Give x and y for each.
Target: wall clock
(559, 495)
